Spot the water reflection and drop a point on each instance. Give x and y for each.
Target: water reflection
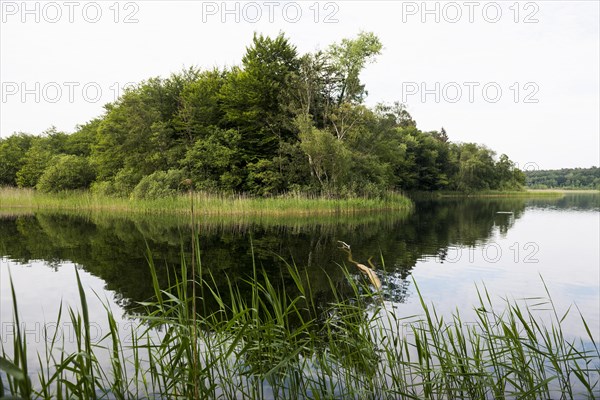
(114, 248)
(580, 201)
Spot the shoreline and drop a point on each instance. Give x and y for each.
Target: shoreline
(203, 204)
(217, 205)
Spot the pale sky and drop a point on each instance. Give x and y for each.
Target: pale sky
(519, 77)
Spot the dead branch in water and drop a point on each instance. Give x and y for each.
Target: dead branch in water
(369, 272)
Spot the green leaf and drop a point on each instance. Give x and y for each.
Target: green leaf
(11, 369)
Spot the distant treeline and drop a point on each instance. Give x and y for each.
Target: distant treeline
(567, 178)
(280, 122)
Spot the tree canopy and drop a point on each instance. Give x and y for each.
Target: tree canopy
(566, 178)
(279, 122)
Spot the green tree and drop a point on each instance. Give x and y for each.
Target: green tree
(394, 116)
(66, 172)
(200, 107)
(264, 177)
(12, 157)
(80, 142)
(476, 168)
(329, 159)
(253, 98)
(508, 177)
(349, 57)
(214, 161)
(564, 178)
(278, 122)
(43, 148)
(138, 131)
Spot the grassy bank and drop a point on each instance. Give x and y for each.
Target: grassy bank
(275, 342)
(565, 190)
(491, 194)
(204, 203)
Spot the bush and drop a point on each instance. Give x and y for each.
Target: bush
(159, 184)
(102, 188)
(36, 161)
(264, 178)
(121, 185)
(66, 172)
(214, 161)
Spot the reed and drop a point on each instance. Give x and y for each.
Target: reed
(206, 203)
(274, 341)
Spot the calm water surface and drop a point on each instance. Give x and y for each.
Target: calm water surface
(448, 246)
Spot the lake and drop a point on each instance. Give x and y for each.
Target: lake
(512, 247)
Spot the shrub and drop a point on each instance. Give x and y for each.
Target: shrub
(125, 181)
(121, 185)
(264, 178)
(66, 172)
(214, 161)
(159, 184)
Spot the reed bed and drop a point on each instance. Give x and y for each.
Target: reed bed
(275, 341)
(206, 203)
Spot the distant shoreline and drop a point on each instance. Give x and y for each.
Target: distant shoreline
(492, 193)
(561, 190)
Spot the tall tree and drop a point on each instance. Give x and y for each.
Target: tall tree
(252, 96)
(349, 57)
(12, 157)
(37, 158)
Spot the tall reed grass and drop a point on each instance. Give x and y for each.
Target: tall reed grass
(275, 341)
(205, 203)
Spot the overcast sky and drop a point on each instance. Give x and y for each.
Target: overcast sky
(521, 78)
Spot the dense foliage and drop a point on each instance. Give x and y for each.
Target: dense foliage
(279, 122)
(567, 178)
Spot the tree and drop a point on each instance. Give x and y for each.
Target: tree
(213, 162)
(80, 142)
(395, 115)
(328, 158)
(565, 178)
(43, 148)
(12, 157)
(425, 165)
(200, 106)
(278, 122)
(312, 89)
(348, 59)
(253, 97)
(264, 178)
(476, 168)
(138, 130)
(346, 118)
(442, 136)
